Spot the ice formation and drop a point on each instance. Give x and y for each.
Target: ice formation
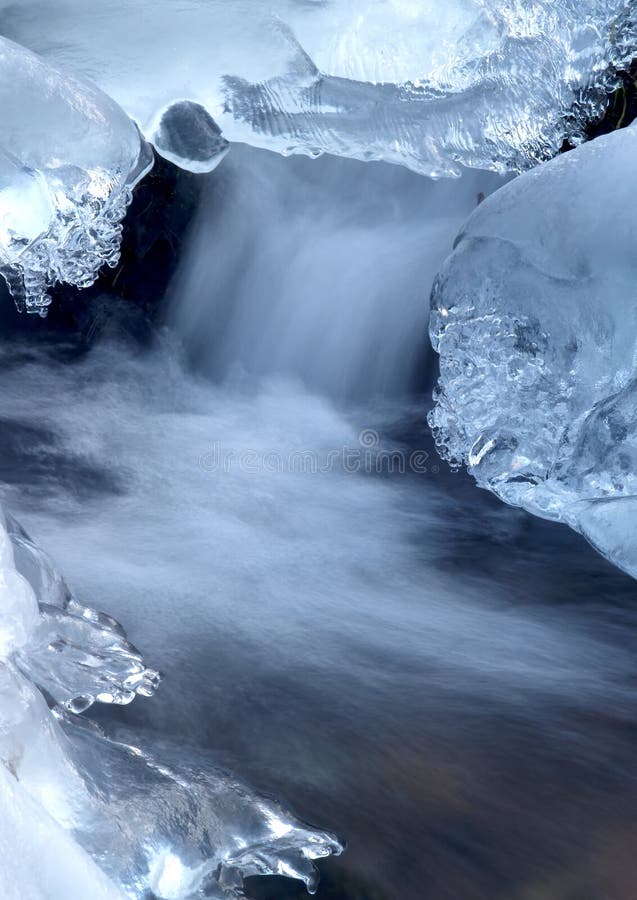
(535, 320)
(69, 157)
(75, 654)
(495, 84)
(88, 816)
(429, 84)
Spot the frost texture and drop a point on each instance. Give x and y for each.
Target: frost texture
(85, 816)
(535, 319)
(69, 157)
(490, 83)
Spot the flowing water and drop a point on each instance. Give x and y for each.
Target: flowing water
(442, 680)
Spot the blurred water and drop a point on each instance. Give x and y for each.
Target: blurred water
(320, 269)
(444, 681)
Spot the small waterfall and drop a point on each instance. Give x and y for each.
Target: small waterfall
(318, 269)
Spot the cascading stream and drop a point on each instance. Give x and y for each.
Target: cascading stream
(318, 272)
(279, 537)
(240, 473)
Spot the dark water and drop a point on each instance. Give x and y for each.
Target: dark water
(444, 681)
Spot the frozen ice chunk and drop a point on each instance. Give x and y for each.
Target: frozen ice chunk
(36, 566)
(78, 662)
(163, 825)
(76, 654)
(69, 157)
(41, 798)
(39, 860)
(489, 83)
(535, 320)
(173, 824)
(174, 828)
(86, 816)
(19, 613)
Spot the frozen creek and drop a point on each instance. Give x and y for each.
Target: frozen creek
(247, 486)
(383, 651)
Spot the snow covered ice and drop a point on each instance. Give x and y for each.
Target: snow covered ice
(69, 157)
(495, 84)
(535, 320)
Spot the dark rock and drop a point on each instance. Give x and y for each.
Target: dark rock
(188, 132)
